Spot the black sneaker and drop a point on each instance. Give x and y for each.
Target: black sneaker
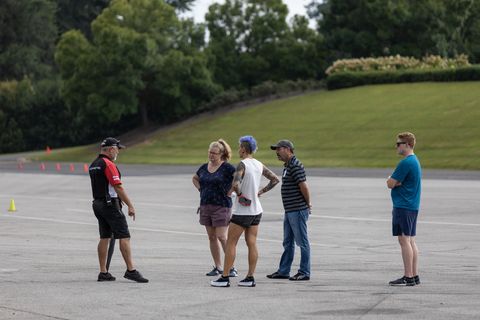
(277, 275)
(247, 282)
(299, 277)
(221, 282)
(215, 272)
(105, 276)
(403, 281)
(135, 276)
(417, 280)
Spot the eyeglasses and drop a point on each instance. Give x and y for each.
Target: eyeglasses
(211, 152)
(400, 143)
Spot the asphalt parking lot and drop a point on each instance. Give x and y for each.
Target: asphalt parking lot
(49, 267)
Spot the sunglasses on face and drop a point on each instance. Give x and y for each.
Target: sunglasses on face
(400, 143)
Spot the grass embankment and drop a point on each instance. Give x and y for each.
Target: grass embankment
(345, 128)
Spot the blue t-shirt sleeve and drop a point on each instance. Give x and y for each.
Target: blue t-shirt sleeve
(230, 170)
(200, 170)
(401, 171)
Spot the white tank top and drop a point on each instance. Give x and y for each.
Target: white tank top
(249, 188)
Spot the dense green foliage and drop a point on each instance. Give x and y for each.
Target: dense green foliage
(134, 64)
(345, 128)
(251, 42)
(74, 71)
(364, 28)
(27, 36)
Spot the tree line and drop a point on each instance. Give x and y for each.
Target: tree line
(72, 71)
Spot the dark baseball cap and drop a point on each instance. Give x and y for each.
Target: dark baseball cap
(284, 144)
(112, 142)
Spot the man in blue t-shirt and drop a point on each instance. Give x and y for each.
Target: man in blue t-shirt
(405, 183)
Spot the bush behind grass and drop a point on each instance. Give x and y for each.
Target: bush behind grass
(342, 80)
(354, 127)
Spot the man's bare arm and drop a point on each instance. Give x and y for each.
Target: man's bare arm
(305, 192)
(122, 194)
(392, 183)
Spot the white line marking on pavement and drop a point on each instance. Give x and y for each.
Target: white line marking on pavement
(327, 217)
(154, 230)
(266, 212)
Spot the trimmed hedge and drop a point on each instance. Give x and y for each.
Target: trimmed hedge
(353, 79)
(396, 63)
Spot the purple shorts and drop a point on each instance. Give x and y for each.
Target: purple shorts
(214, 216)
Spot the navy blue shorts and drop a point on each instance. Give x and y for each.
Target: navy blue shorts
(404, 222)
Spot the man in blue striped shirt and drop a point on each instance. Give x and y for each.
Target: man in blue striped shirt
(296, 203)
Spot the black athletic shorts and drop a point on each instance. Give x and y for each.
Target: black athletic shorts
(111, 219)
(246, 221)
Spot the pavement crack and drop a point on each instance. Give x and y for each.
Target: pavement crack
(33, 313)
(373, 307)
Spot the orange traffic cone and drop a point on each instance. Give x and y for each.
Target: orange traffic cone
(12, 206)
(48, 150)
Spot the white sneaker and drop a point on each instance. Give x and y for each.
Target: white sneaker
(220, 282)
(247, 282)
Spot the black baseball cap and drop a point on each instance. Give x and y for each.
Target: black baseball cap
(284, 144)
(112, 142)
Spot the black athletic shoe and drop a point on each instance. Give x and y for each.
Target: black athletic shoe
(403, 281)
(247, 282)
(277, 275)
(105, 276)
(221, 282)
(135, 276)
(299, 277)
(417, 280)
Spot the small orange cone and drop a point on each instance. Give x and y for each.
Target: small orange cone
(12, 206)
(48, 150)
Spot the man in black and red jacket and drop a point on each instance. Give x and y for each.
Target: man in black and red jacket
(108, 195)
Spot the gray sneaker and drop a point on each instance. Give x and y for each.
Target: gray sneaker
(215, 272)
(233, 272)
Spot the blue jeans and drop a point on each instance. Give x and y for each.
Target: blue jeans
(295, 231)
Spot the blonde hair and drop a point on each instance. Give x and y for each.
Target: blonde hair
(407, 137)
(224, 148)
